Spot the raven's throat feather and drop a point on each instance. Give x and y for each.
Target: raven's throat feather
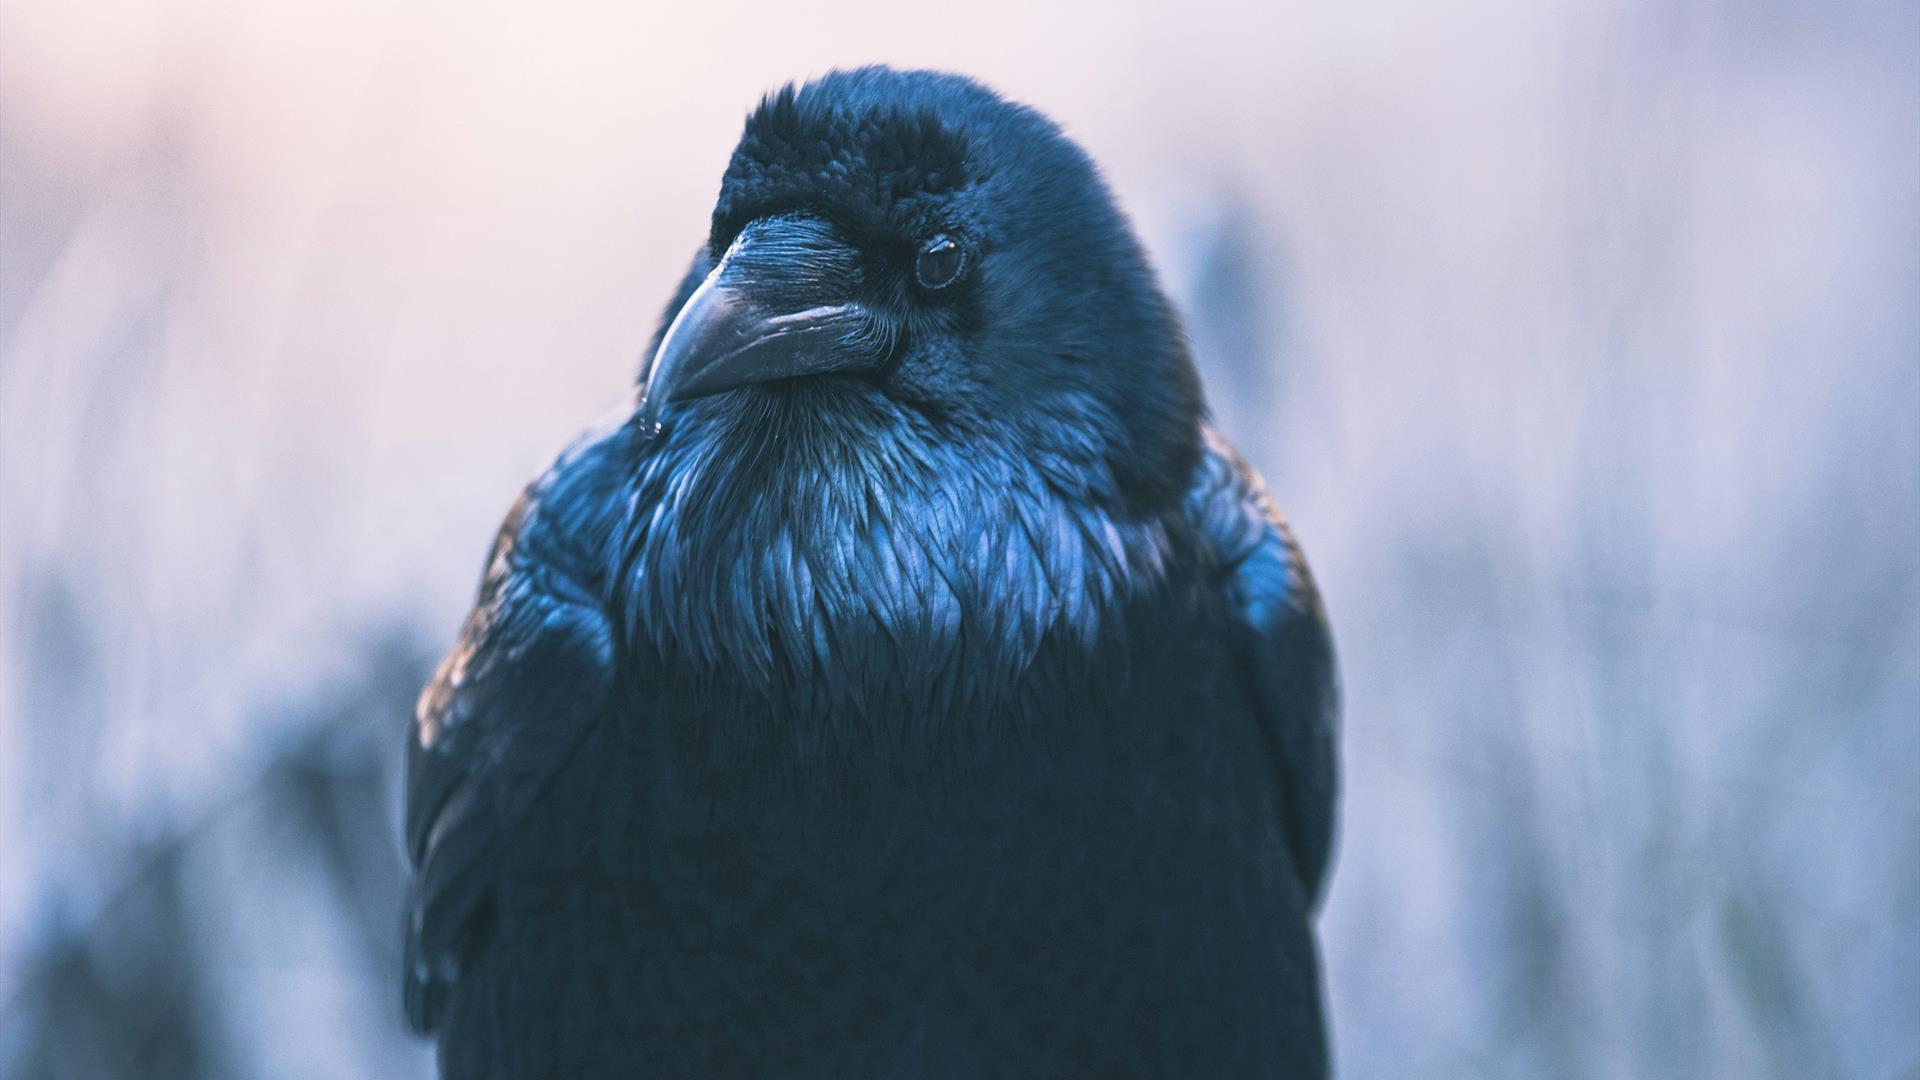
(830, 548)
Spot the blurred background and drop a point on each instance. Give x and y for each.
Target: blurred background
(1579, 339)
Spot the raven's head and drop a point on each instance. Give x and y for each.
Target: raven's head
(907, 244)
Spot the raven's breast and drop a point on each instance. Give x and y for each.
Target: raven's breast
(1089, 880)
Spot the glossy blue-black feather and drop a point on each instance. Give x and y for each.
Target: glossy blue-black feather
(531, 671)
(1283, 645)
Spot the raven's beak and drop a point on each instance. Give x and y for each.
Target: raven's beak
(775, 307)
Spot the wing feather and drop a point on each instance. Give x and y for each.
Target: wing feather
(1283, 647)
(532, 671)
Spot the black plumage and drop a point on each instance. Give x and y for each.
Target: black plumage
(908, 684)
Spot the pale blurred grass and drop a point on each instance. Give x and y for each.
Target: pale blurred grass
(1579, 341)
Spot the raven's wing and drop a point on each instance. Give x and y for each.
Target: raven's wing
(1282, 645)
(532, 670)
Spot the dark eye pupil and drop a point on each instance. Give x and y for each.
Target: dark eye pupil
(939, 263)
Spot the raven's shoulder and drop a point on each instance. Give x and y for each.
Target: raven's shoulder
(1282, 645)
(532, 669)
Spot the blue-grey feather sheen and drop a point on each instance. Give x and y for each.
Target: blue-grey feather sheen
(835, 552)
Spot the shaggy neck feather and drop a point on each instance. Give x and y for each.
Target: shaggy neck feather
(827, 542)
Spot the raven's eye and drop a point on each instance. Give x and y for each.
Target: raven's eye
(940, 262)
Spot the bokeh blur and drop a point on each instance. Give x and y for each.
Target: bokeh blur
(1580, 339)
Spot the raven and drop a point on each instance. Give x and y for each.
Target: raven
(908, 682)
